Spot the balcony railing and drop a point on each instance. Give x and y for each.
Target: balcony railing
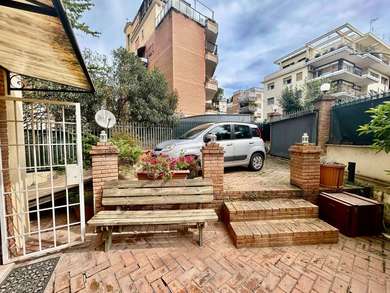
(212, 48)
(185, 8)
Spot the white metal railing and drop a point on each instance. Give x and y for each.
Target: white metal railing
(185, 8)
(147, 136)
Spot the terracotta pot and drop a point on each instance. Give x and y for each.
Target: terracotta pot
(332, 175)
(178, 174)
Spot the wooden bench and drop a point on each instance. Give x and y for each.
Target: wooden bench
(149, 194)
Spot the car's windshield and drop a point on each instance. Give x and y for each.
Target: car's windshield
(194, 132)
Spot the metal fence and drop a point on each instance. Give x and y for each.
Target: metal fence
(147, 136)
(289, 130)
(347, 116)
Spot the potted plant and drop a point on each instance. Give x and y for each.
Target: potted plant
(332, 175)
(163, 168)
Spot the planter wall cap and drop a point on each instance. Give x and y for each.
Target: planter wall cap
(104, 149)
(304, 148)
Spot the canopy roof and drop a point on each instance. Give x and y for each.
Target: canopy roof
(36, 40)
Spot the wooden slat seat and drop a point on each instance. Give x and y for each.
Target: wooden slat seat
(157, 192)
(121, 194)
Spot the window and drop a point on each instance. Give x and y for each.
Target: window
(373, 74)
(299, 76)
(287, 80)
(384, 80)
(222, 132)
(270, 101)
(270, 86)
(256, 131)
(242, 132)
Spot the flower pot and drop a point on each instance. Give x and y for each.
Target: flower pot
(332, 175)
(178, 174)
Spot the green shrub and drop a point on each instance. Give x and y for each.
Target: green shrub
(129, 150)
(89, 140)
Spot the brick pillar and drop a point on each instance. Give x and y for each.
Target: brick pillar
(305, 169)
(324, 106)
(104, 168)
(212, 164)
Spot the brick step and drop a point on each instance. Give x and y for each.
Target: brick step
(282, 232)
(255, 193)
(272, 209)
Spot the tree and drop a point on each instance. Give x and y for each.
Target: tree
(291, 100)
(217, 97)
(139, 94)
(75, 9)
(379, 127)
(313, 91)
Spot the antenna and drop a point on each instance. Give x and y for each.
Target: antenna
(372, 20)
(106, 120)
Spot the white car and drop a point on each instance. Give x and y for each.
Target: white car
(241, 142)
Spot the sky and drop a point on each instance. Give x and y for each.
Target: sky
(252, 33)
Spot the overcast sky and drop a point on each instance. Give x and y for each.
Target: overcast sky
(252, 33)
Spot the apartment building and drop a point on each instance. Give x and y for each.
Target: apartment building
(355, 64)
(248, 101)
(179, 38)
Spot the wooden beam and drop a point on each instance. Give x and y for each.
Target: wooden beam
(42, 9)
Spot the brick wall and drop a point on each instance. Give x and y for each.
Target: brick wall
(104, 168)
(324, 106)
(305, 169)
(212, 163)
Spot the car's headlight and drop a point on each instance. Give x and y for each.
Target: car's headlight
(169, 148)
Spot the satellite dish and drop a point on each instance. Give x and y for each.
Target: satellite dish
(105, 119)
(325, 87)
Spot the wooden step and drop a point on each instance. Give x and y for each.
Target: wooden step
(273, 209)
(282, 232)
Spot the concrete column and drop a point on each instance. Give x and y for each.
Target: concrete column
(104, 168)
(212, 164)
(305, 169)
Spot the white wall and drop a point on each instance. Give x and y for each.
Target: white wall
(369, 163)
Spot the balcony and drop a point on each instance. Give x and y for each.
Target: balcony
(211, 59)
(363, 60)
(211, 87)
(249, 109)
(194, 9)
(211, 30)
(346, 72)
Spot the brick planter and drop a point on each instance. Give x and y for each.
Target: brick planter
(305, 169)
(212, 164)
(104, 168)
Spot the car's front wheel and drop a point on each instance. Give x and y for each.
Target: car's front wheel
(257, 162)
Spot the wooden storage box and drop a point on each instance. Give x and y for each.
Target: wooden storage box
(353, 215)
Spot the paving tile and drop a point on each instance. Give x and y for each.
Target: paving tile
(270, 282)
(304, 284)
(287, 283)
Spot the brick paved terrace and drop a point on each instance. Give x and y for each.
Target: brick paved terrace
(275, 174)
(172, 263)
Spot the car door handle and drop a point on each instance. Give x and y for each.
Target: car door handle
(230, 144)
(251, 143)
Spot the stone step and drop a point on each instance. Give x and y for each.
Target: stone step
(282, 232)
(273, 209)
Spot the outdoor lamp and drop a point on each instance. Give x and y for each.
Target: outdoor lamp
(305, 138)
(103, 137)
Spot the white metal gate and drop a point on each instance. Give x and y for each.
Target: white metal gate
(41, 177)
